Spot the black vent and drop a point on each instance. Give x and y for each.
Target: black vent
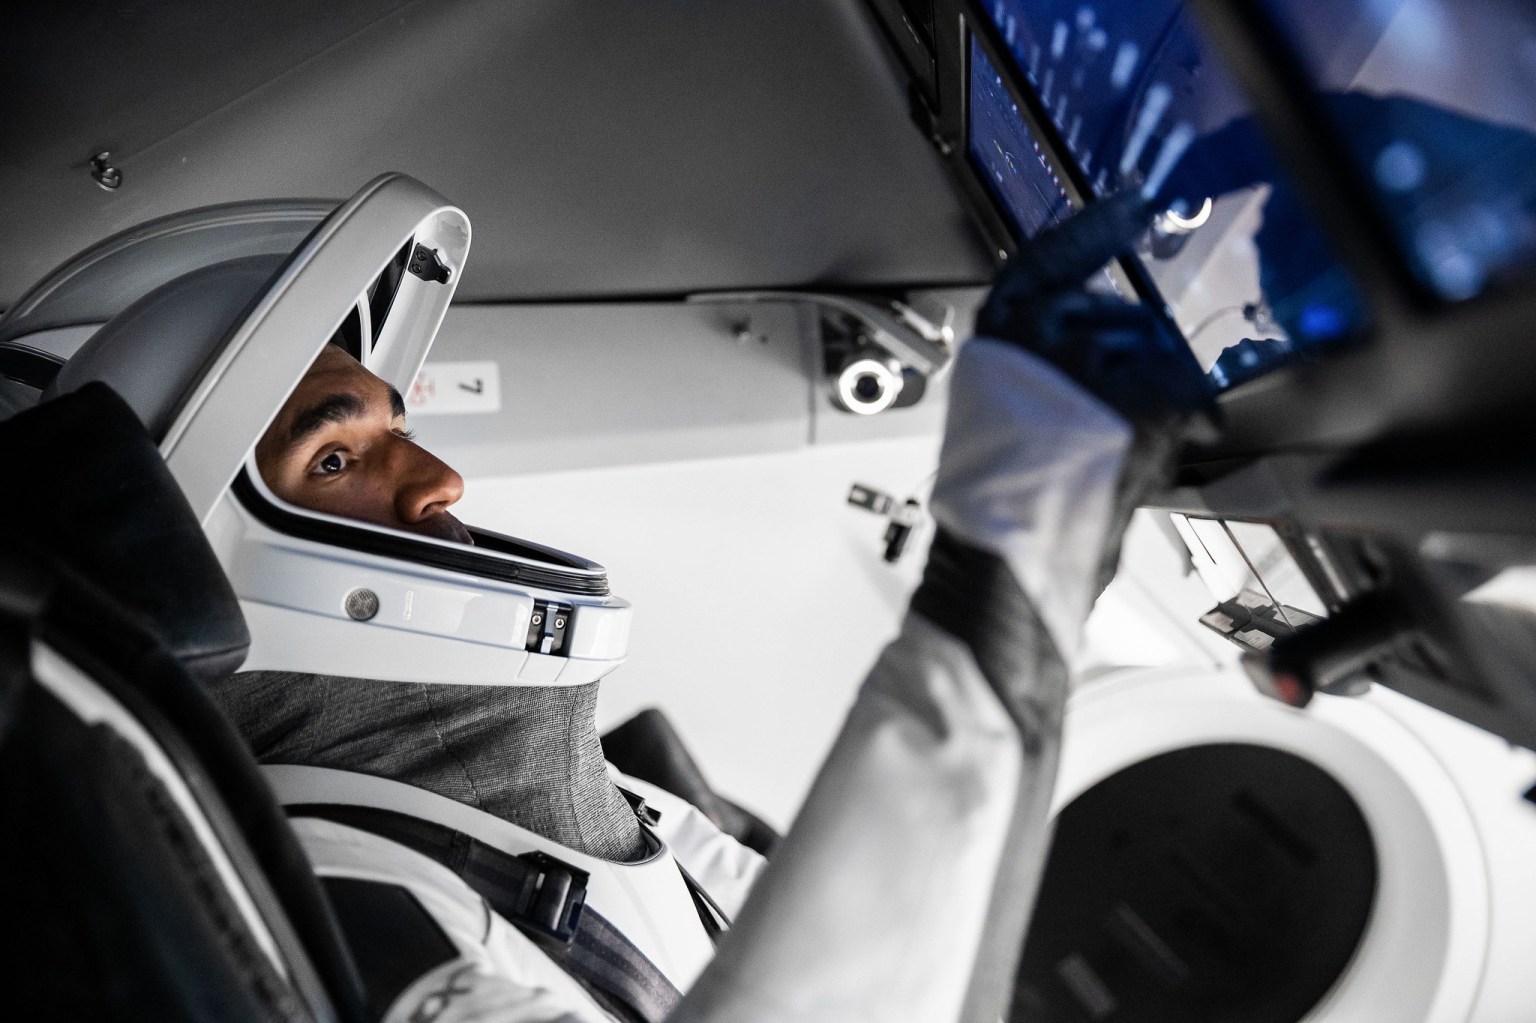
(28, 365)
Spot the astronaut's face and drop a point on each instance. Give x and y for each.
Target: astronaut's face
(339, 445)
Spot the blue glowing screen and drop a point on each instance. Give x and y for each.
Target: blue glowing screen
(1433, 101)
(1140, 103)
(1008, 155)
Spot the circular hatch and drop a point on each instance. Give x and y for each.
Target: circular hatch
(1227, 881)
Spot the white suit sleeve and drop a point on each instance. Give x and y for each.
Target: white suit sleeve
(903, 889)
(1029, 471)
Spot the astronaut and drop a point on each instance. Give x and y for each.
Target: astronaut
(513, 766)
(904, 888)
(425, 706)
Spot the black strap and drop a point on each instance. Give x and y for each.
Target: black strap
(542, 896)
(715, 922)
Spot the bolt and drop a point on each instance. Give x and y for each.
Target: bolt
(106, 175)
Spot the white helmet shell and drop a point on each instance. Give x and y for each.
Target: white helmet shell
(326, 595)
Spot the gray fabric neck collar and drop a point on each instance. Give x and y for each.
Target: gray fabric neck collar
(527, 754)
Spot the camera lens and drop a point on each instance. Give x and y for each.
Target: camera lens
(866, 385)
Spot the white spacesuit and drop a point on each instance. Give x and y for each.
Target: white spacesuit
(903, 890)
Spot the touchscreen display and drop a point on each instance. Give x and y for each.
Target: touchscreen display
(1435, 104)
(1141, 101)
(1008, 155)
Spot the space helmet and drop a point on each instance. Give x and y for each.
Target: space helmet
(211, 319)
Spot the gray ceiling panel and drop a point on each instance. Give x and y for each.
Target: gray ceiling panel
(604, 149)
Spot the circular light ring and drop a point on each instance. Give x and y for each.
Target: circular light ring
(886, 375)
(1179, 223)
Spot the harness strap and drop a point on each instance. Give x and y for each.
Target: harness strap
(715, 922)
(542, 896)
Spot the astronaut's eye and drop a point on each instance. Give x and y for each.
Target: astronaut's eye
(331, 464)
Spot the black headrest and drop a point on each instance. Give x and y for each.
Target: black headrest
(91, 492)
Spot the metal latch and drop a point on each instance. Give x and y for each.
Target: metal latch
(426, 264)
(548, 627)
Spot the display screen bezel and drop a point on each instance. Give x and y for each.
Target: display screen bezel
(1129, 278)
(1301, 445)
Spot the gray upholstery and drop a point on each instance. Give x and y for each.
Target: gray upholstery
(106, 278)
(155, 351)
(202, 268)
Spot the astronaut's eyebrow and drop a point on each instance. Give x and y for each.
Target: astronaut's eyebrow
(333, 408)
(338, 408)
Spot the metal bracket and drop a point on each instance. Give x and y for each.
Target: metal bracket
(1335, 655)
(902, 516)
(426, 264)
(911, 338)
(549, 627)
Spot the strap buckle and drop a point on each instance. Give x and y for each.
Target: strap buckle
(551, 897)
